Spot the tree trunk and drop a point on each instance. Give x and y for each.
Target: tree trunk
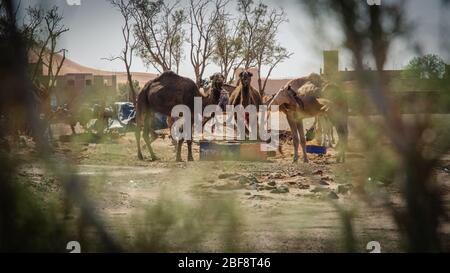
(260, 87)
(132, 92)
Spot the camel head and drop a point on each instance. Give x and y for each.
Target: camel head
(217, 80)
(245, 78)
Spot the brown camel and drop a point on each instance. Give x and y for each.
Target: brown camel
(217, 92)
(303, 102)
(244, 94)
(160, 95)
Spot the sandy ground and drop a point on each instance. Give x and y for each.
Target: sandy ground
(273, 206)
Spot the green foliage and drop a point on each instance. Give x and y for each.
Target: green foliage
(173, 225)
(159, 33)
(26, 222)
(429, 66)
(123, 90)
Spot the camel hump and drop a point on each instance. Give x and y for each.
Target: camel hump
(166, 75)
(171, 80)
(169, 73)
(309, 89)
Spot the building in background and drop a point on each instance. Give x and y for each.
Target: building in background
(77, 88)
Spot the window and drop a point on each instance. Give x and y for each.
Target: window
(88, 82)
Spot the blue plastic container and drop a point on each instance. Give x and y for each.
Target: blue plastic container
(219, 151)
(315, 149)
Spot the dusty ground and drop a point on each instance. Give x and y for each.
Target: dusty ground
(273, 206)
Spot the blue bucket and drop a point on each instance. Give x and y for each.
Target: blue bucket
(315, 149)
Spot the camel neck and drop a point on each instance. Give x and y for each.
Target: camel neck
(245, 95)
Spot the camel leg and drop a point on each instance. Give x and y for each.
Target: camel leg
(72, 126)
(294, 131)
(333, 140)
(205, 120)
(170, 121)
(317, 125)
(189, 144)
(137, 134)
(302, 139)
(147, 140)
(179, 145)
(328, 125)
(342, 144)
(341, 124)
(320, 129)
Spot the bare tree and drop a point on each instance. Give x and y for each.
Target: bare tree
(251, 18)
(203, 15)
(269, 53)
(258, 28)
(21, 103)
(159, 33)
(127, 54)
(228, 46)
(32, 26)
(45, 29)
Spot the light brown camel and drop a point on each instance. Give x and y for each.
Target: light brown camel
(244, 94)
(160, 95)
(304, 102)
(321, 127)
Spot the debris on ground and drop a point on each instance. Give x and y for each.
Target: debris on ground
(276, 176)
(280, 189)
(318, 172)
(260, 197)
(303, 186)
(344, 189)
(227, 175)
(333, 195)
(319, 189)
(297, 174)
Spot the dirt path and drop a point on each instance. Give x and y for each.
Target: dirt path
(280, 206)
(272, 206)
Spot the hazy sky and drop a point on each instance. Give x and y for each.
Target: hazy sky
(95, 32)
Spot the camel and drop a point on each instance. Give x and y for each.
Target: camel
(321, 127)
(308, 101)
(322, 130)
(216, 93)
(244, 94)
(160, 95)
